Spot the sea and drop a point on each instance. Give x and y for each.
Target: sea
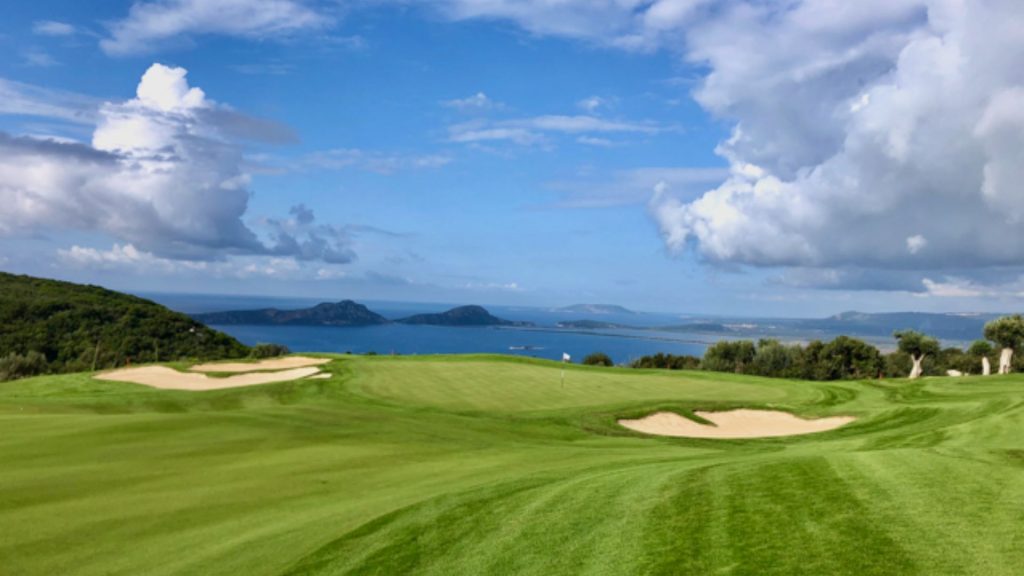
(544, 340)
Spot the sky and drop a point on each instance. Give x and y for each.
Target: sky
(737, 157)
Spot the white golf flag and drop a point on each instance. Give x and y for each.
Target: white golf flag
(566, 357)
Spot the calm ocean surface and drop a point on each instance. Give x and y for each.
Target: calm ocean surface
(544, 341)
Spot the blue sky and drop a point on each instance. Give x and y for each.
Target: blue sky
(767, 158)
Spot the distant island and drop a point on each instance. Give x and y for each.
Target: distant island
(344, 313)
(351, 314)
(461, 316)
(595, 309)
(697, 327)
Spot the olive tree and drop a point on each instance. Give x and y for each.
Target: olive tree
(1008, 333)
(918, 346)
(980, 350)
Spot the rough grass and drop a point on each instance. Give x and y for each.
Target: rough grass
(488, 465)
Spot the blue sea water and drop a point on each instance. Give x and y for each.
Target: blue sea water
(542, 341)
(402, 339)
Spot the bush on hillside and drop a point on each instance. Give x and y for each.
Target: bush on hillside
(13, 366)
(729, 356)
(267, 350)
(842, 358)
(667, 362)
(598, 359)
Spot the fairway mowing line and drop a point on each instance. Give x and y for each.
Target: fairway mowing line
(741, 423)
(270, 364)
(170, 379)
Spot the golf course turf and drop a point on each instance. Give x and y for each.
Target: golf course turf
(469, 465)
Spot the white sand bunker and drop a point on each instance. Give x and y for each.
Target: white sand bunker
(734, 424)
(270, 364)
(168, 378)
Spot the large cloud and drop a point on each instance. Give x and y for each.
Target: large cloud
(878, 135)
(162, 174)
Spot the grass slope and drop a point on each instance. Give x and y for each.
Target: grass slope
(488, 465)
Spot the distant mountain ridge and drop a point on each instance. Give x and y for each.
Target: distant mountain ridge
(595, 309)
(590, 325)
(344, 313)
(942, 325)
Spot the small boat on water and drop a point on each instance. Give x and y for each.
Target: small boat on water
(525, 347)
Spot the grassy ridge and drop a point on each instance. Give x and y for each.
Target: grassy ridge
(477, 464)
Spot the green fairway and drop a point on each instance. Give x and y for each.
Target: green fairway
(492, 465)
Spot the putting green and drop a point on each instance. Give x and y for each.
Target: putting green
(491, 465)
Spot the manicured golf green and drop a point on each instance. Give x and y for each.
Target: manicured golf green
(490, 465)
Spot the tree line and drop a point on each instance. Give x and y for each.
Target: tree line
(843, 358)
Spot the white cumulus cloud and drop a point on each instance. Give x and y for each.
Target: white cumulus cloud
(878, 135)
(162, 175)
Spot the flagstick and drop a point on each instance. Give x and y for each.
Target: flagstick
(563, 377)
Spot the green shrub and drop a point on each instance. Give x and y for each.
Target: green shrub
(667, 362)
(598, 359)
(726, 356)
(15, 365)
(267, 350)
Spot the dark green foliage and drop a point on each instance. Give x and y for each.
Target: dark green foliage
(667, 362)
(916, 343)
(598, 359)
(971, 362)
(78, 327)
(898, 364)
(954, 359)
(980, 348)
(841, 359)
(265, 350)
(1007, 332)
(774, 359)
(846, 358)
(22, 366)
(728, 356)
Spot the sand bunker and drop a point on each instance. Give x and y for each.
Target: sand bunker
(734, 424)
(168, 378)
(270, 364)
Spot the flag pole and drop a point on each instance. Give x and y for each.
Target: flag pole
(565, 359)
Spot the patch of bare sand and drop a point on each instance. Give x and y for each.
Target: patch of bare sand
(734, 424)
(269, 364)
(168, 378)
(321, 376)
